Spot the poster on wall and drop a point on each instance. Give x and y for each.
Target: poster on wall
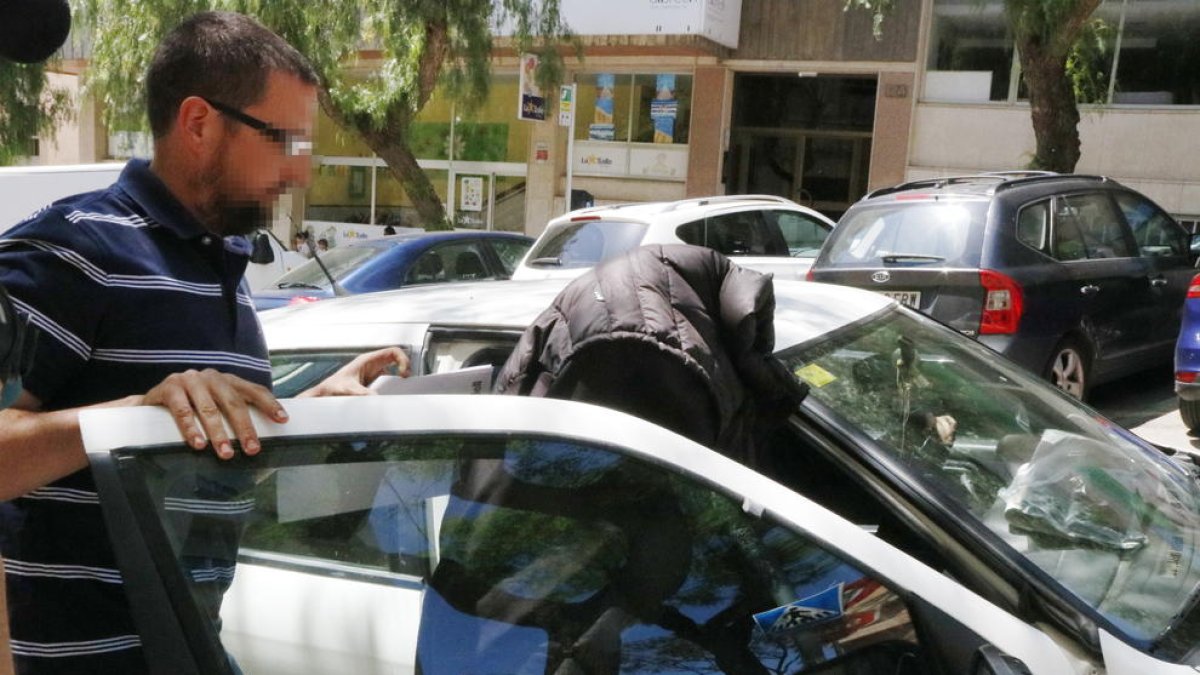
(532, 105)
(470, 190)
(601, 128)
(663, 109)
(658, 163)
(594, 158)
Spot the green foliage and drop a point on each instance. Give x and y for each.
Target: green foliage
(405, 41)
(28, 108)
(1090, 60)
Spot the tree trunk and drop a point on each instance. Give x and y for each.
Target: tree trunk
(389, 144)
(404, 167)
(1044, 33)
(1052, 107)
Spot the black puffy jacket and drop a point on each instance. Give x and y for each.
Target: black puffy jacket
(675, 334)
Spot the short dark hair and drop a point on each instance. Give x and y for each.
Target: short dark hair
(224, 56)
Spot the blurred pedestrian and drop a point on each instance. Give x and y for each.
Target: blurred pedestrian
(138, 290)
(303, 244)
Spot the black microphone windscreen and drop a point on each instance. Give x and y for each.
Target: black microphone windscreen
(32, 30)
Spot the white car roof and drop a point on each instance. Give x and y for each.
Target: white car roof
(683, 210)
(803, 311)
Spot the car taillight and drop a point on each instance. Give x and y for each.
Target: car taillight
(1194, 287)
(1002, 304)
(302, 299)
(1185, 377)
(808, 276)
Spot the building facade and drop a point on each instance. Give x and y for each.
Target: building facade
(797, 98)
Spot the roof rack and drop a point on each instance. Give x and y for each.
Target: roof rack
(1003, 180)
(1035, 178)
(935, 183)
(716, 199)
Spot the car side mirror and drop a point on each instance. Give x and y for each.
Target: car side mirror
(260, 252)
(991, 661)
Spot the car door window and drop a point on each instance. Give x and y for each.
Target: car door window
(803, 234)
(1155, 232)
(363, 553)
(1100, 227)
(429, 268)
(464, 261)
(509, 252)
(738, 233)
(1068, 238)
(1033, 224)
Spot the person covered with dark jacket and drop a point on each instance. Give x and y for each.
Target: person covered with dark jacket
(675, 334)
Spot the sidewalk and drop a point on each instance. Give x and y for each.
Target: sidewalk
(1168, 430)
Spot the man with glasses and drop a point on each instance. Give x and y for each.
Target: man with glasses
(138, 293)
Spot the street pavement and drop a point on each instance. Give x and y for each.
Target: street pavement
(1145, 403)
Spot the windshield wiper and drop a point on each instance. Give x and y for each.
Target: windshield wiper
(556, 261)
(907, 257)
(297, 284)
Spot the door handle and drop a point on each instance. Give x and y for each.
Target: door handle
(1158, 282)
(1090, 289)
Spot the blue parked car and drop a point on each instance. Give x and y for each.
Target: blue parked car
(390, 262)
(1187, 357)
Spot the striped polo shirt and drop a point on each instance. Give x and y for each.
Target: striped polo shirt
(126, 288)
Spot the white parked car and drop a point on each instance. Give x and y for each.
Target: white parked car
(458, 533)
(766, 233)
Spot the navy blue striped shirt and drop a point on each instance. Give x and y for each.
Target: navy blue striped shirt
(126, 288)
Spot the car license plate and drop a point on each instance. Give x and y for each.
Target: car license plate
(907, 298)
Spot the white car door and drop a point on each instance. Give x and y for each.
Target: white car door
(452, 534)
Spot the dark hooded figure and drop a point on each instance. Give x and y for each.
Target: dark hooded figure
(675, 334)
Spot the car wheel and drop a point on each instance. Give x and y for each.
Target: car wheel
(1069, 369)
(1190, 412)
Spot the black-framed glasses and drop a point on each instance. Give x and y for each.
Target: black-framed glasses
(293, 145)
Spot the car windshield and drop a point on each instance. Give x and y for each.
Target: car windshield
(910, 232)
(585, 243)
(340, 262)
(1110, 518)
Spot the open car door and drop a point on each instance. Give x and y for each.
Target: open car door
(452, 534)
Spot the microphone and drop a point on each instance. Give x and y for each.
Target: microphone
(32, 30)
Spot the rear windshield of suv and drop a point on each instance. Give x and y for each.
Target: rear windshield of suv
(585, 243)
(943, 233)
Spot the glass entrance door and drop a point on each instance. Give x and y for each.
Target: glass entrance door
(804, 138)
(487, 200)
(826, 171)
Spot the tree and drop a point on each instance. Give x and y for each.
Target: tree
(28, 108)
(1046, 34)
(378, 62)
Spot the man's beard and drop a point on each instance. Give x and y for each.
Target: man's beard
(230, 214)
(239, 217)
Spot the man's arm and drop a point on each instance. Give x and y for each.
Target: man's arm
(38, 448)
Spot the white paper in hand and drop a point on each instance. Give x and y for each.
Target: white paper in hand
(474, 380)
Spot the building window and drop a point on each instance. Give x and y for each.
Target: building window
(633, 126)
(1146, 54)
(483, 147)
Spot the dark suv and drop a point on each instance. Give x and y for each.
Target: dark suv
(1075, 277)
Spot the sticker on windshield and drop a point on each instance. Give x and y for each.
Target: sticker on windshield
(815, 375)
(811, 611)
